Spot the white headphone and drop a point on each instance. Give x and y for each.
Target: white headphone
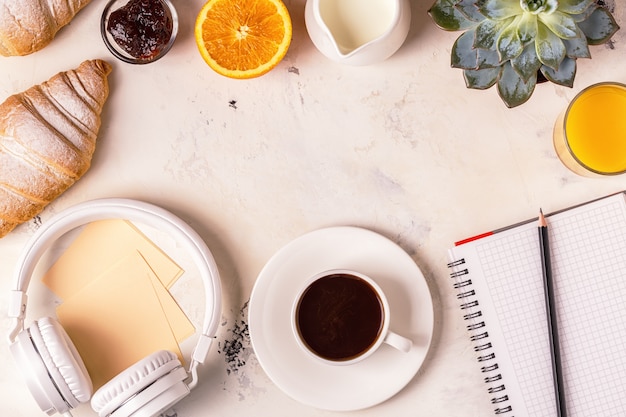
(54, 371)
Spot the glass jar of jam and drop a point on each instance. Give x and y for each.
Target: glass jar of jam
(139, 31)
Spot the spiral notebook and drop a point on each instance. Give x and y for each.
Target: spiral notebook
(499, 287)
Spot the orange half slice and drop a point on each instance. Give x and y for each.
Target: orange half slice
(243, 38)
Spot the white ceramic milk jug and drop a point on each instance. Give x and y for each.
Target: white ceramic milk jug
(358, 32)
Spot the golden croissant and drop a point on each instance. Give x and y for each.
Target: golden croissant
(47, 137)
(27, 26)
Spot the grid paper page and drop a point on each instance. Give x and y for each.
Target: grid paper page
(512, 268)
(589, 263)
(588, 247)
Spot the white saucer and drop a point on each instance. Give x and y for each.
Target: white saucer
(330, 387)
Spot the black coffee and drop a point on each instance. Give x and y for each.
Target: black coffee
(339, 316)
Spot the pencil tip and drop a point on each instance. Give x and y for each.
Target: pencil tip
(542, 219)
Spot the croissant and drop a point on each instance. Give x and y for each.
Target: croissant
(27, 26)
(47, 137)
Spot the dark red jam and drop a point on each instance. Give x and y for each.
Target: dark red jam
(141, 27)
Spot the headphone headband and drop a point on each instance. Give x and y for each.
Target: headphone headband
(132, 210)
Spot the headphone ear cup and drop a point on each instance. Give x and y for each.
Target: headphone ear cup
(151, 385)
(62, 360)
(55, 373)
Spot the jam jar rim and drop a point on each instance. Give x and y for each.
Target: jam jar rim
(117, 50)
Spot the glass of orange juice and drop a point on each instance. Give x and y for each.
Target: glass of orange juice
(590, 135)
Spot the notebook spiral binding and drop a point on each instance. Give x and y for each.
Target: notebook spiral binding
(477, 329)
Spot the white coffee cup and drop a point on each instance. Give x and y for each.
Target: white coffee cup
(342, 316)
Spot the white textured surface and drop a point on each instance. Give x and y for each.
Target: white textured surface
(402, 148)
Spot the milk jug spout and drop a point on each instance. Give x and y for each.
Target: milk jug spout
(358, 32)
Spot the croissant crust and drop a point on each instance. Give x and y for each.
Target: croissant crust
(27, 26)
(47, 138)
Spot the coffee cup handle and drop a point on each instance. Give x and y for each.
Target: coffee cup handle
(399, 342)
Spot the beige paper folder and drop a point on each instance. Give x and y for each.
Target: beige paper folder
(103, 245)
(118, 319)
(98, 246)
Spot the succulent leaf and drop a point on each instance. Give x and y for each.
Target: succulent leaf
(574, 6)
(549, 48)
(499, 9)
(550, 6)
(577, 47)
(581, 17)
(527, 63)
(509, 42)
(488, 32)
(599, 27)
(527, 27)
(561, 24)
(463, 54)
(564, 76)
(481, 79)
(512, 88)
(470, 11)
(448, 17)
(488, 58)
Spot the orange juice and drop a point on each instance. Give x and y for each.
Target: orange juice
(594, 129)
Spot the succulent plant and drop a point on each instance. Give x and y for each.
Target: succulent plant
(512, 42)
